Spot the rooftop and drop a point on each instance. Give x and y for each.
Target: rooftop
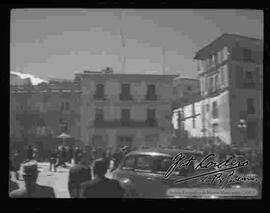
(223, 37)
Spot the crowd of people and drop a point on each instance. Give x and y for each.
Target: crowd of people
(86, 177)
(87, 169)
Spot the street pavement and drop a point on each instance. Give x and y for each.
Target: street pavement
(58, 180)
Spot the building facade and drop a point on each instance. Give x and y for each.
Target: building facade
(125, 109)
(39, 113)
(230, 70)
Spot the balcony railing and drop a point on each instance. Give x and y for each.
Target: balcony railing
(99, 97)
(121, 124)
(125, 97)
(151, 97)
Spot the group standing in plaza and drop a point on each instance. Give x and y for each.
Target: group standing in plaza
(86, 176)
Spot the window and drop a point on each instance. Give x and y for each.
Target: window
(151, 116)
(63, 125)
(189, 88)
(221, 76)
(252, 130)
(211, 84)
(145, 162)
(216, 87)
(163, 164)
(151, 92)
(215, 58)
(207, 107)
(64, 106)
(202, 86)
(250, 106)
(125, 92)
(125, 116)
(198, 65)
(239, 76)
(99, 115)
(225, 53)
(99, 94)
(219, 57)
(215, 129)
(249, 76)
(247, 54)
(214, 110)
(129, 163)
(210, 61)
(67, 105)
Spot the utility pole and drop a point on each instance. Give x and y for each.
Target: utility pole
(163, 61)
(123, 44)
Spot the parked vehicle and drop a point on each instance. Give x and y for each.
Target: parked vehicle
(142, 174)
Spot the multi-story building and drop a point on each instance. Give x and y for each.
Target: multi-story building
(39, 113)
(125, 109)
(230, 70)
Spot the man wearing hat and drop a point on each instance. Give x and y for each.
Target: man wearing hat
(100, 186)
(32, 189)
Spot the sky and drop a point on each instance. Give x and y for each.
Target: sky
(57, 43)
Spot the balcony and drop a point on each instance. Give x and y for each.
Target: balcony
(99, 97)
(122, 124)
(125, 97)
(151, 97)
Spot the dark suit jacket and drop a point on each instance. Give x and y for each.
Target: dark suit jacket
(77, 175)
(39, 192)
(102, 188)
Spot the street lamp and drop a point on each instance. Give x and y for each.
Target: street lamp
(242, 125)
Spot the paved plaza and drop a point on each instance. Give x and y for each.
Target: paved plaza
(58, 180)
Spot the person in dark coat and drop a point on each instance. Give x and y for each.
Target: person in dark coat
(78, 174)
(12, 184)
(31, 188)
(76, 154)
(16, 162)
(100, 186)
(53, 160)
(61, 157)
(29, 153)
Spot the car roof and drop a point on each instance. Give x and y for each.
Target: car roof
(162, 152)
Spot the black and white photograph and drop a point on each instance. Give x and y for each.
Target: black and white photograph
(136, 103)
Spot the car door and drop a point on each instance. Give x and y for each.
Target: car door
(145, 180)
(125, 172)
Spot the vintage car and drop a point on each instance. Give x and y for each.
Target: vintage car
(142, 174)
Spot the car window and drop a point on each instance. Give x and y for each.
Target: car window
(163, 164)
(128, 163)
(145, 163)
